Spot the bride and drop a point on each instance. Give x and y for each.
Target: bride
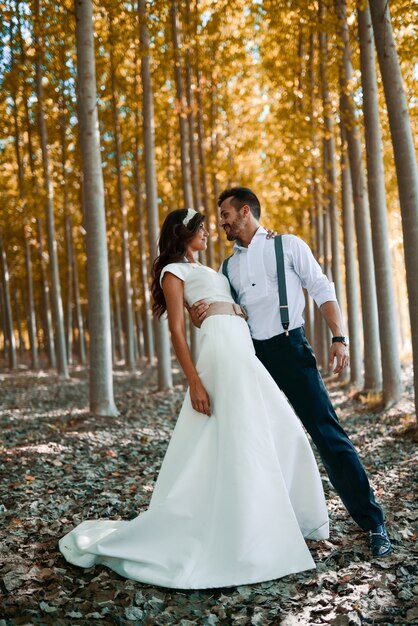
(239, 490)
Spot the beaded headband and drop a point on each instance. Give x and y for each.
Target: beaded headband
(190, 215)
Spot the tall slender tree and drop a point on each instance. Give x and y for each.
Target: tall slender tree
(203, 160)
(81, 340)
(214, 145)
(25, 97)
(372, 365)
(70, 285)
(405, 158)
(165, 379)
(186, 172)
(391, 367)
(16, 305)
(350, 262)
(118, 330)
(101, 381)
(62, 363)
(127, 279)
(48, 335)
(143, 267)
(330, 170)
(31, 324)
(10, 333)
(3, 321)
(193, 158)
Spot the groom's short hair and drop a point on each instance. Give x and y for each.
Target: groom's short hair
(241, 196)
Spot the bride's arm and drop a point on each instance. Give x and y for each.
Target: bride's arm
(173, 293)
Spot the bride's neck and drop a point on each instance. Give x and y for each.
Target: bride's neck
(191, 257)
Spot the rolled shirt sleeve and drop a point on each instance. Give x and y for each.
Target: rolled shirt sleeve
(319, 287)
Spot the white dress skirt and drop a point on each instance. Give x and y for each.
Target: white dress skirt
(237, 492)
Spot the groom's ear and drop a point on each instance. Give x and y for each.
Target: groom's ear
(245, 210)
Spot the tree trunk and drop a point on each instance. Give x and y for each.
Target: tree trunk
(401, 305)
(67, 228)
(194, 165)
(49, 340)
(405, 159)
(70, 281)
(127, 279)
(139, 327)
(77, 301)
(314, 188)
(391, 367)
(329, 150)
(23, 62)
(140, 330)
(372, 368)
(3, 321)
(189, 140)
(15, 111)
(308, 317)
(101, 382)
(20, 175)
(145, 292)
(182, 109)
(165, 380)
(201, 145)
(119, 338)
(18, 323)
(173, 200)
(203, 166)
(9, 329)
(319, 327)
(49, 213)
(326, 248)
(350, 258)
(112, 333)
(321, 343)
(193, 157)
(31, 306)
(213, 164)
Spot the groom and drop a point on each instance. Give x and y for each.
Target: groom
(287, 355)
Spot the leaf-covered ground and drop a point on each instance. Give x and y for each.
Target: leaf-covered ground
(61, 465)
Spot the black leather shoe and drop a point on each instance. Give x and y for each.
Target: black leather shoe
(379, 542)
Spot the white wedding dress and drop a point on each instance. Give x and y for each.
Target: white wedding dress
(237, 491)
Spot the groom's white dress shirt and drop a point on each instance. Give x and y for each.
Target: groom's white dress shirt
(252, 272)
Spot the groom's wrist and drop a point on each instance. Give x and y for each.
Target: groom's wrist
(340, 339)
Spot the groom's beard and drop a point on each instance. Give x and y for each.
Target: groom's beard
(231, 236)
(232, 231)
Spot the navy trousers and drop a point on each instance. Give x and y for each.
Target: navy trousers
(291, 362)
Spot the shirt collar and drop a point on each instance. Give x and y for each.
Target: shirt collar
(260, 231)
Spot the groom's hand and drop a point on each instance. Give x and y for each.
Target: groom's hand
(339, 353)
(198, 312)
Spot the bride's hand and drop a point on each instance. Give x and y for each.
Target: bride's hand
(198, 312)
(270, 233)
(200, 398)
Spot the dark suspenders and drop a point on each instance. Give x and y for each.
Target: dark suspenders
(225, 273)
(281, 281)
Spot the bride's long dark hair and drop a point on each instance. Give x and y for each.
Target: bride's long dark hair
(172, 245)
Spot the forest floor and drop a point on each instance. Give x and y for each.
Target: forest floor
(61, 465)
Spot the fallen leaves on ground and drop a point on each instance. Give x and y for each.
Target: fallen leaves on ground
(61, 465)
